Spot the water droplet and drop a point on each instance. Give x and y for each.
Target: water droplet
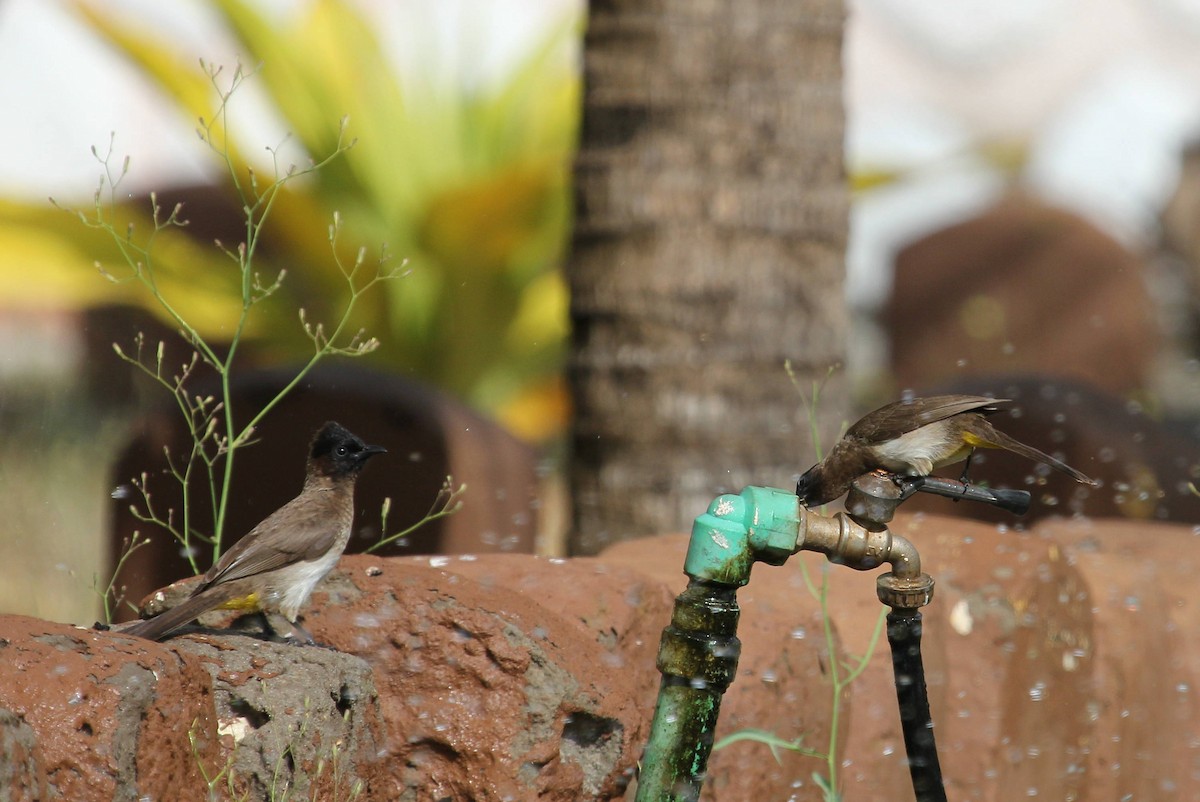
(439, 562)
(723, 650)
(961, 620)
(1038, 692)
(799, 633)
(121, 492)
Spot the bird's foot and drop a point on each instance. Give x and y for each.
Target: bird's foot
(907, 484)
(289, 631)
(965, 481)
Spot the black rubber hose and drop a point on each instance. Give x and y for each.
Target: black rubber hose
(1015, 501)
(904, 635)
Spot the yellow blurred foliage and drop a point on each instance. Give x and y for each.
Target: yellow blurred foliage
(470, 186)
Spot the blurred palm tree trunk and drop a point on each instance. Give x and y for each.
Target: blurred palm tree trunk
(712, 212)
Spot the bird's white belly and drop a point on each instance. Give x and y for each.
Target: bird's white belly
(295, 584)
(918, 452)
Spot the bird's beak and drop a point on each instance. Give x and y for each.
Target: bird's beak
(370, 451)
(807, 484)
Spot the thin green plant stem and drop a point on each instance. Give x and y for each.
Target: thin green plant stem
(842, 675)
(109, 597)
(771, 741)
(211, 781)
(211, 422)
(447, 502)
(324, 345)
(258, 207)
(853, 669)
(811, 402)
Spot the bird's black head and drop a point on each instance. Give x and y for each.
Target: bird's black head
(335, 451)
(810, 487)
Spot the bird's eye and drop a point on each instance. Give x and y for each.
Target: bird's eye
(341, 451)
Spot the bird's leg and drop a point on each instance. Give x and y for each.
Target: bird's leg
(962, 477)
(289, 631)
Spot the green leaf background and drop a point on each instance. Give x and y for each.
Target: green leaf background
(471, 187)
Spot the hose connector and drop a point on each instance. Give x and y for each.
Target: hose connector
(904, 593)
(760, 524)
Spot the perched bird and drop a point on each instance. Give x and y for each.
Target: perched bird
(912, 438)
(275, 567)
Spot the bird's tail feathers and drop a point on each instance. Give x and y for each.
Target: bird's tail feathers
(164, 624)
(998, 439)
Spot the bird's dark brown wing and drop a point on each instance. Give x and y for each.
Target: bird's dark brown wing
(901, 417)
(310, 532)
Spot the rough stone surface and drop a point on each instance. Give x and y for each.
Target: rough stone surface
(1060, 665)
(490, 693)
(104, 710)
(558, 657)
(303, 722)
(100, 716)
(21, 775)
